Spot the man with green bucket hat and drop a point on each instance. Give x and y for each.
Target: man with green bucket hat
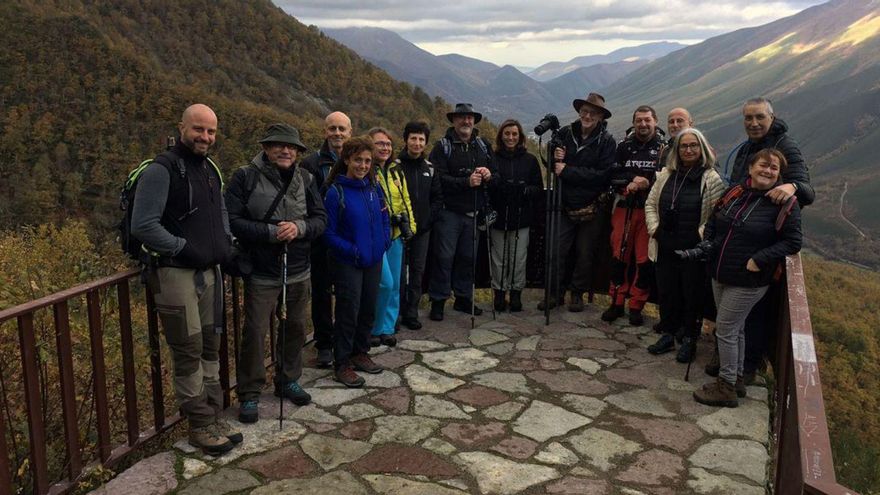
(274, 208)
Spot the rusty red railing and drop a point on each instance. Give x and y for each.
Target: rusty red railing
(802, 450)
(108, 454)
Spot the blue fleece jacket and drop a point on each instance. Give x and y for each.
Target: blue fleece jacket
(359, 233)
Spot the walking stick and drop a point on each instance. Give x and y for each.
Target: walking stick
(504, 257)
(486, 219)
(548, 229)
(282, 327)
(474, 262)
(558, 217)
(516, 240)
(622, 254)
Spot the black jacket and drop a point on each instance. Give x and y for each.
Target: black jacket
(301, 204)
(425, 191)
(455, 171)
(518, 188)
(637, 159)
(746, 228)
(795, 173)
(319, 163)
(587, 164)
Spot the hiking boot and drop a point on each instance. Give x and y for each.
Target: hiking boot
(375, 340)
(612, 313)
(248, 411)
(463, 304)
(687, 351)
(576, 305)
(718, 394)
(293, 392)
(346, 376)
(389, 340)
(411, 323)
(666, 343)
(499, 303)
(551, 303)
(209, 441)
(740, 387)
(437, 309)
(224, 429)
(363, 362)
(325, 358)
(714, 364)
(516, 301)
(635, 317)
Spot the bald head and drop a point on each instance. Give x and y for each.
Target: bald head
(198, 128)
(678, 119)
(337, 130)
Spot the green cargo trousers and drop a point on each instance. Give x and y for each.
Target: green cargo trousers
(260, 303)
(185, 303)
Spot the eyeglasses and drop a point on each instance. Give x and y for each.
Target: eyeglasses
(689, 146)
(382, 144)
(588, 111)
(284, 145)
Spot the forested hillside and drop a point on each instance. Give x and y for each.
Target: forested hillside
(89, 88)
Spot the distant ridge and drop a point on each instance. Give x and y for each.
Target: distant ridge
(644, 53)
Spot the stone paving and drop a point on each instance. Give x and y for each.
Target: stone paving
(510, 407)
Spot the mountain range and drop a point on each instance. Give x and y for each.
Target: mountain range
(499, 92)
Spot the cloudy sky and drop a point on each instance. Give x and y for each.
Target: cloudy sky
(532, 32)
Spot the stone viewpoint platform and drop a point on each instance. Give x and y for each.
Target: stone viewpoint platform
(510, 407)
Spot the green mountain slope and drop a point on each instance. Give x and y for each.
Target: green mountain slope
(87, 89)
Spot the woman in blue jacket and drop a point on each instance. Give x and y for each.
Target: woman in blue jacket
(358, 234)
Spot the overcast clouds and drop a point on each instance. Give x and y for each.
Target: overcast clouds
(533, 32)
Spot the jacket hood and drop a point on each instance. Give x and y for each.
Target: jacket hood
(353, 183)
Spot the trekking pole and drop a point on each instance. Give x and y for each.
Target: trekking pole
(282, 327)
(547, 229)
(556, 247)
(474, 262)
(622, 253)
(504, 253)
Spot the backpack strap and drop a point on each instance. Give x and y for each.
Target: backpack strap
(447, 146)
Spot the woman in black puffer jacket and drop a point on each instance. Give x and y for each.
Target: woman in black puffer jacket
(514, 201)
(747, 239)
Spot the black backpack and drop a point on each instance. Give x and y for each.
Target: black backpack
(130, 244)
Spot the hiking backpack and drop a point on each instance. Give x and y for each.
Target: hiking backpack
(130, 244)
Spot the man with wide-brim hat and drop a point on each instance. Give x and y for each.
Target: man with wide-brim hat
(464, 162)
(583, 161)
(464, 109)
(274, 207)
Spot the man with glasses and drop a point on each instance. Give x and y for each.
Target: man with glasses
(274, 207)
(463, 160)
(337, 130)
(638, 159)
(583, 159)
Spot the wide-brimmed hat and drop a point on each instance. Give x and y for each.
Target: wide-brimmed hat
(283, 133)
(464, 109)
(594, 99)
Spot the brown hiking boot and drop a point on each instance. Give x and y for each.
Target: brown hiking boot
(577, 303)
(224, 429)
(740, 387)
(345, 375)
(363, 362)
(209, 441)
(718, 394)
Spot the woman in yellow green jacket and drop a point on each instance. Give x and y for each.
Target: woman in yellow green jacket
(403, 226)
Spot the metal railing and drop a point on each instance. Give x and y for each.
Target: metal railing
(802, 451)
(34, 356)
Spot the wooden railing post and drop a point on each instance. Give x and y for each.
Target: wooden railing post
(99, 375)
(126, 339)
(36, 428)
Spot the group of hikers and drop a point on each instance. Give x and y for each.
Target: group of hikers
(354, 222)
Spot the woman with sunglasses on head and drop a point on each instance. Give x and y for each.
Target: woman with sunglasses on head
(747, 239)
(358, 234)
(676, 211)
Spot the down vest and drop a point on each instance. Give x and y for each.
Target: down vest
(746, 228)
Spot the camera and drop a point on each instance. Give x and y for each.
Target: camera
(548, 123)
(401, 221)
(699, 252)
